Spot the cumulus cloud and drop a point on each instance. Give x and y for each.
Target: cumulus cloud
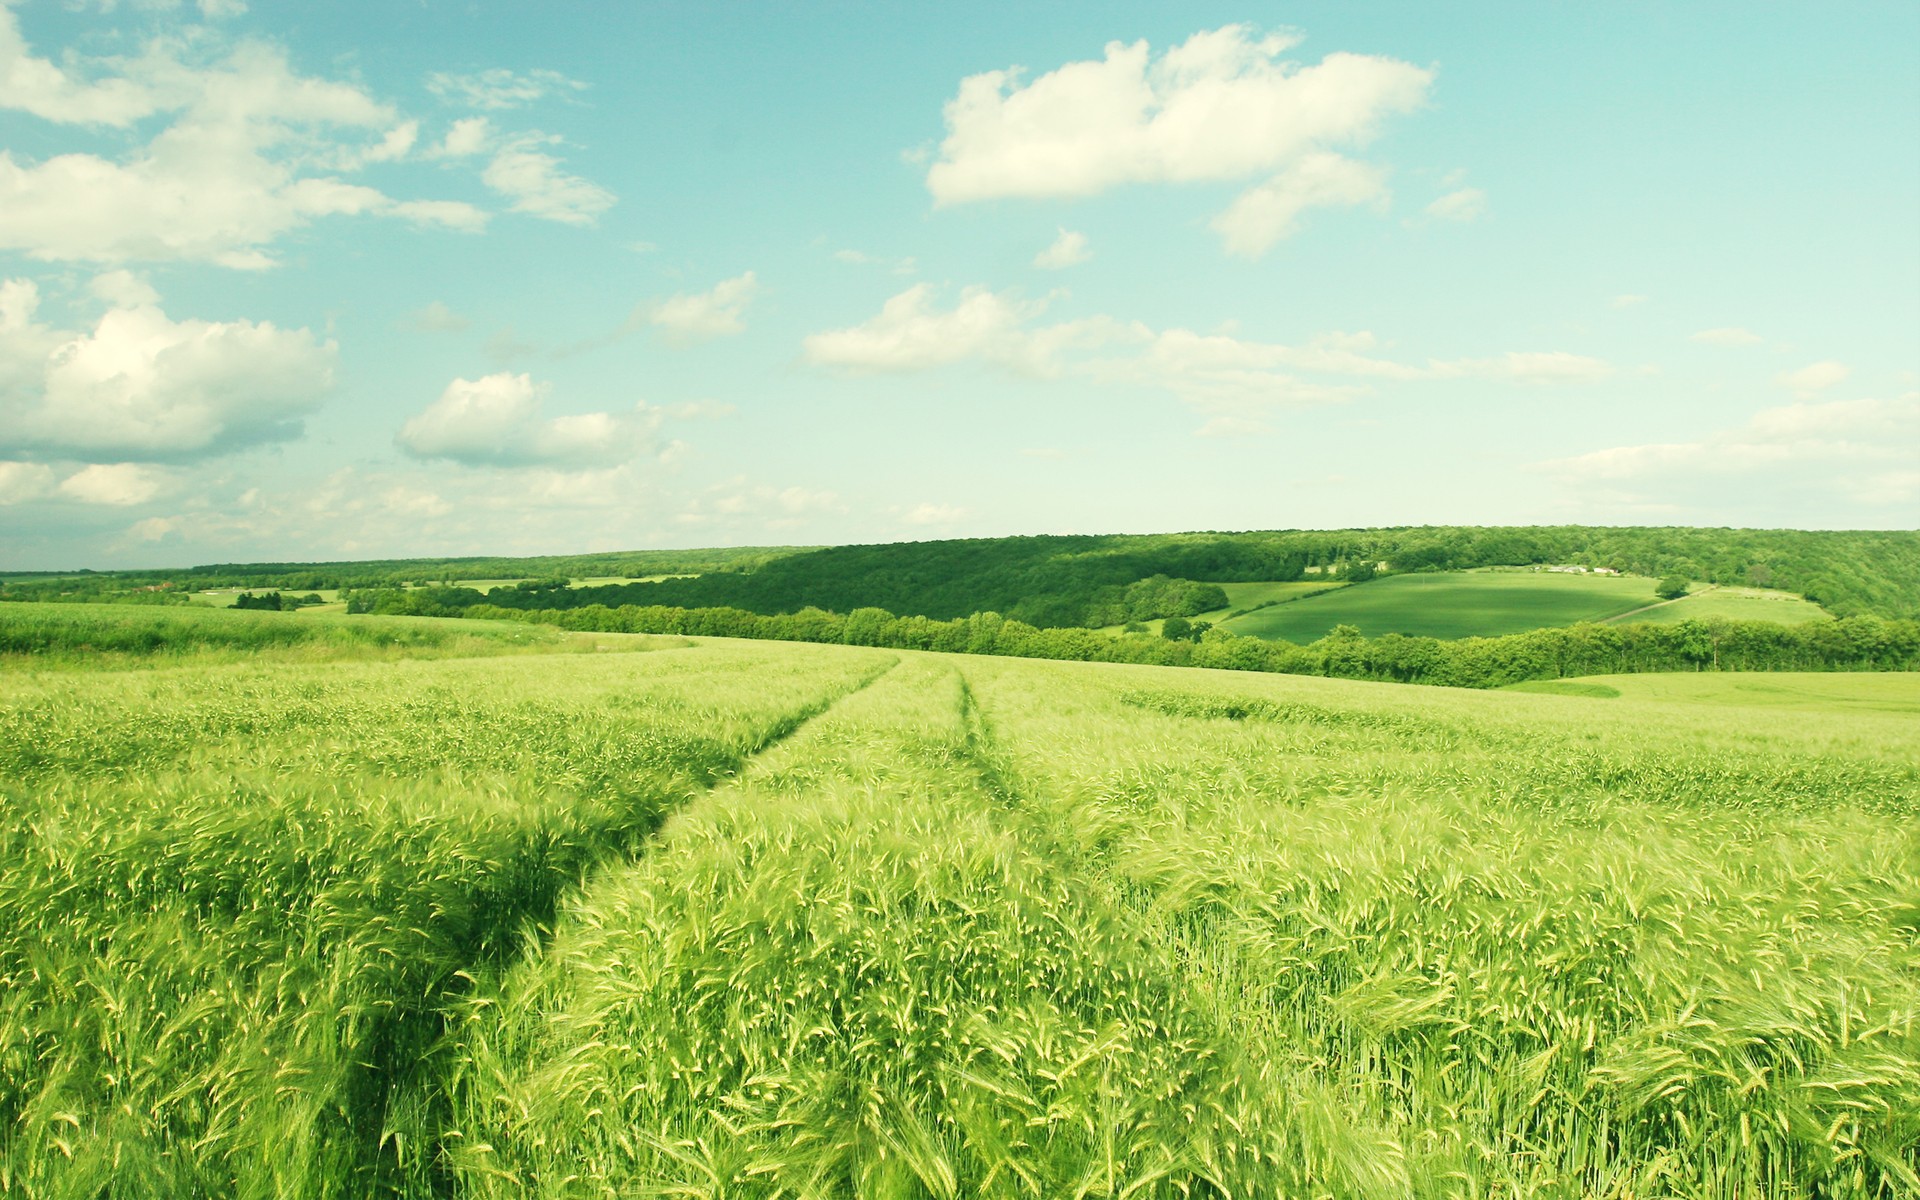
(466, 137)
(24, 481)
(911, 333)
(1731, 335)
(498, 421)
(241, 161)
(1867, 450)
(1265, 215)
(1222, 106)
(1229, 377)
(1067, 250)
(1814, 377)
(700, 315)
(533, 181)
(118, 484)
(143, 387)
(500, 88)
(1465, 204)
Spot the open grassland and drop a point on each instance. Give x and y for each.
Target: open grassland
(776, 920)
(1452, 604)
(1808, 691)
(1738, 604)
(112, 635)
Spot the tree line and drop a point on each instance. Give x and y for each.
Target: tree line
(1848, 644)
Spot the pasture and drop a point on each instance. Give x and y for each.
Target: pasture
(1452, 604)
(1738, 604)
(778, 920)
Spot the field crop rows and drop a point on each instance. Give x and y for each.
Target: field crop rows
(924, 925)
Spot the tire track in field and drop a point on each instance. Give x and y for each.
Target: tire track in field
(785, 729)
(1387, 1175)
(432, 1027)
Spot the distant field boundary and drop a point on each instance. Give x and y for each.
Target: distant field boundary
(1847, 644)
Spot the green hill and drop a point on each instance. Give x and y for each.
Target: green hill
(1091, 580)
(1452, 604)
(1067, 581)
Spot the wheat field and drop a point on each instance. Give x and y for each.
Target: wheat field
(772, 920)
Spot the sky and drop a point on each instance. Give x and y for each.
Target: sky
(303, 282)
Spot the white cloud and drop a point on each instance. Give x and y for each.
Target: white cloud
(24, 481)
(37, 86)
(141, 386)
(467, 136)
(435, 317)
(500, 88)
(1727, 336)
(1221, 106)
(154, 529)
(1222, 375)
(935, 514)
(1466, 204)
(708, 314)
(123, 289)
(239, 163)
(911, 334)
(1867, 450)
(1626, 301)
(1815, 377)
(497, 421)
(1269, 213)
(1069, 249)
(119, 484)
(538, 187)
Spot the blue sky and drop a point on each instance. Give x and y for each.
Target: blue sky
(293, 282)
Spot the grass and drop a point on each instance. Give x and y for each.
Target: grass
(1807, 692)
(241, 901)
(1738, 604)
(757, 919)
(95, 636)
(1452, 604)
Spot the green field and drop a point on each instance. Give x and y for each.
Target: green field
(1812, 692)
(756, 919)
(1738, 604)
(1452, 604)
(1244, 596)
